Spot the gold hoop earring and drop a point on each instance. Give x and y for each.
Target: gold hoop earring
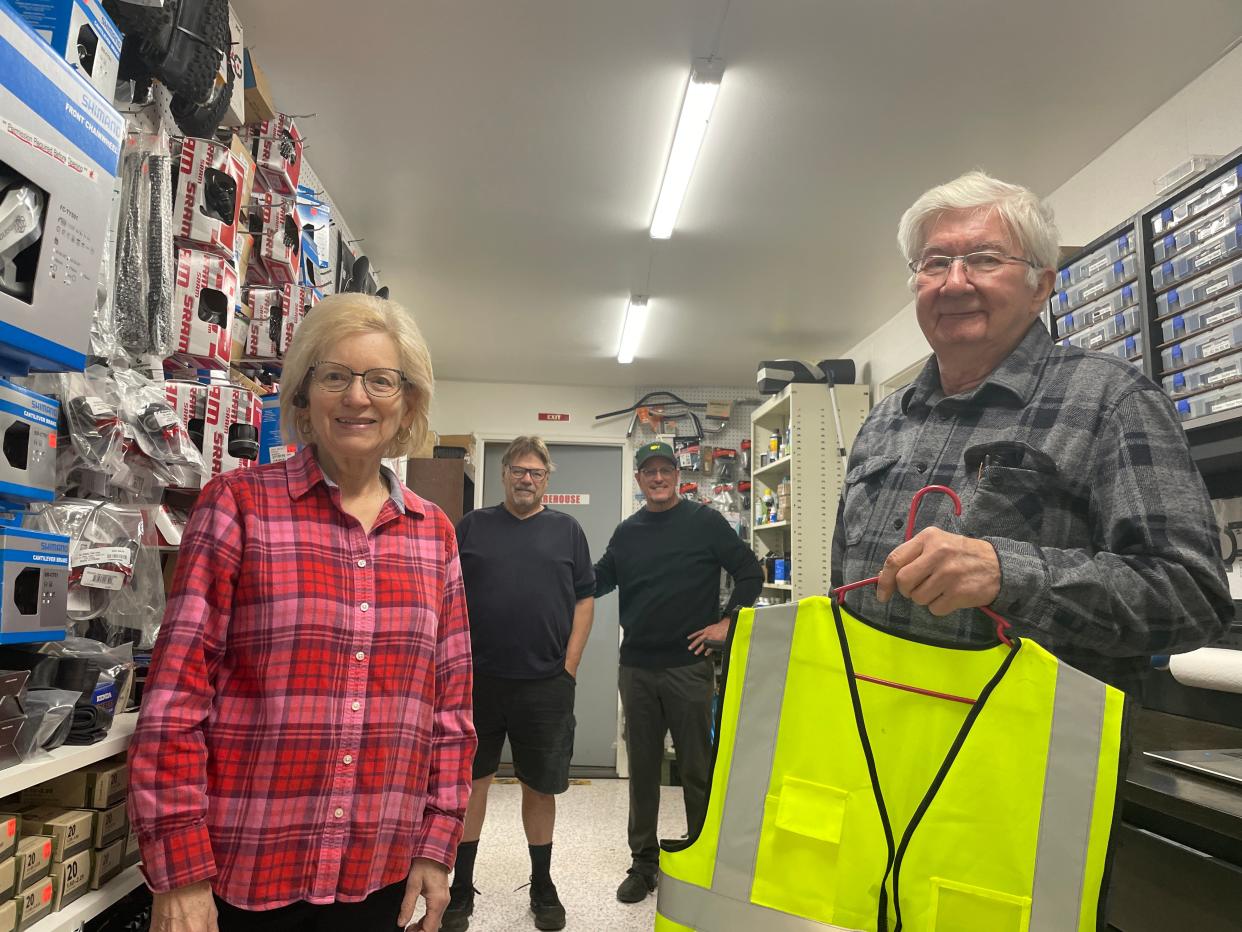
(406, 439)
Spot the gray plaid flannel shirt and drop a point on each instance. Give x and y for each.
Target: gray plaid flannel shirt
(1073, 465)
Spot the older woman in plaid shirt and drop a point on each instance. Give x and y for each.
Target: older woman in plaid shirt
(302, 760)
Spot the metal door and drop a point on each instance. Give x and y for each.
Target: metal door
(594, 475)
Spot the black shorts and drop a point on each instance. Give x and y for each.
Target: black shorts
(538, 718)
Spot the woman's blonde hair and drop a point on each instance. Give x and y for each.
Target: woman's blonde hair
(344, 315)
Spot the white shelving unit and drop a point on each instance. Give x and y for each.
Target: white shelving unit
(815, 474)
(77, 913)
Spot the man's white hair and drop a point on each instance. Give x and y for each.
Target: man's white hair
(1029, 219)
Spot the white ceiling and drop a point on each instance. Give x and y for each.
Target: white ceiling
(502, 159)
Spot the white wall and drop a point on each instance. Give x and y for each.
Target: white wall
(1205, 117)
(511, 409)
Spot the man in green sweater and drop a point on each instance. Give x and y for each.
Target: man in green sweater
(666, 559)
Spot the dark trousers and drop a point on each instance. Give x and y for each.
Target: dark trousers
(658, 701)
(377, 913)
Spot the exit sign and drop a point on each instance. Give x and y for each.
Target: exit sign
(549, 416)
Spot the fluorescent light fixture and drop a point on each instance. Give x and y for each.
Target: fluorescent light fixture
(696, 112)
(632, 331)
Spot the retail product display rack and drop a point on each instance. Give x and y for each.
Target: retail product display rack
(1163, 290)
(802, 483)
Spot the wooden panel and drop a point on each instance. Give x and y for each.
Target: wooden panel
(439, 481)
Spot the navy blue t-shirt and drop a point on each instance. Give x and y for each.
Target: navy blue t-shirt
(523, 579)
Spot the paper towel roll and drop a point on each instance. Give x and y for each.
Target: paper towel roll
(1209, 668)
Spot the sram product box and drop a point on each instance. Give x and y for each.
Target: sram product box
(83, 33)
(276, 145)
(210, 184)
(301, 300)
(35, 903)
(277, 239)
(28, 455)
(35, 573)
(60, 144)
(204, 292)
(71, 878)
(268, 307)
(231, 429)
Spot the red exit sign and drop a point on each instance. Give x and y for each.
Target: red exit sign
(549, 416)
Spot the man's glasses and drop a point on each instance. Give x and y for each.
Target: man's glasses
(977, 264)
(379, 383)
(661, 472)
(518, 472)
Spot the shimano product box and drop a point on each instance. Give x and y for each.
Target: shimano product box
(81, 32)
(204, 292)
(272, 445)
(230, 429)
(35, 569)
(315, 220)
(60, 144)
(210, 184)
(28, 431)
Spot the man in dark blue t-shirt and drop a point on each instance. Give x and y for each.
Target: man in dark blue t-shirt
(530, 592)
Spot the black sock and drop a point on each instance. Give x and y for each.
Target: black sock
(463, 870)
(540, 862)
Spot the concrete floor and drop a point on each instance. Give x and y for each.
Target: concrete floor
(589, 859)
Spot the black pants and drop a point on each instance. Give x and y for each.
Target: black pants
(377, 913)
(658, 701)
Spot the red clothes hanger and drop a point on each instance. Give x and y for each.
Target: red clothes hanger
(1001, 624)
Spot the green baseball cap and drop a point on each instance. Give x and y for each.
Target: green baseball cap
(652, 450)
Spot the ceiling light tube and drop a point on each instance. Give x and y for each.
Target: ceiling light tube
(696, 113)
(632, 330)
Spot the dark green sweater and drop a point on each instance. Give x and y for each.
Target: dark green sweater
(667, 565)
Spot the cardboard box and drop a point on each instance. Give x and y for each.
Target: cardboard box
(230, 429)
(34, 860)
(109, 825)
(8, 837)
(34, 580)
(108, 863)
(95, 786)
(82, 33)
(276, 144)
(301, 301)
(204, 294)
(274, 259)
(34, 904)
(8, 916)
(258, 98)
(268, 307)
(62, 142)
(315, 221)
(272, 445)
(28, 426)
(71, 830)
(133, 854)
(210, 185)
(71, 878)
(8, 879)
(234, 61)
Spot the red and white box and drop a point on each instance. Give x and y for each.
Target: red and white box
(274, 259)
(277, 149)
(267, 321)
(187, 399)
(204, 294)
(210, 183)
(231, 421)
(300, 301)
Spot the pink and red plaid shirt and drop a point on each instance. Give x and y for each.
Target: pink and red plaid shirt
(306, 724)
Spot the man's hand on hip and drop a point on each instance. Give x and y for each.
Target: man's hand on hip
(717, 632)
(942, 571)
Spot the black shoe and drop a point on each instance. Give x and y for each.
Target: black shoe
(545, 905)
(461, 905)
(635, 887)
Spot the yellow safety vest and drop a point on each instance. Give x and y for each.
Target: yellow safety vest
(837, 803)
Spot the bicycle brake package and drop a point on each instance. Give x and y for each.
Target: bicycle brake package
(81, 32)
(210, 180)
(204, 296)
(274, 225)
(276, 145)
(232, 418)
(28, 422)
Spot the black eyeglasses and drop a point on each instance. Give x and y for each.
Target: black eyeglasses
(379, 383)
(517, 472)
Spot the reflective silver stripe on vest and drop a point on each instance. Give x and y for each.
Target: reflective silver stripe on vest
(708, 911)
(750, 772)
(1069, 800)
